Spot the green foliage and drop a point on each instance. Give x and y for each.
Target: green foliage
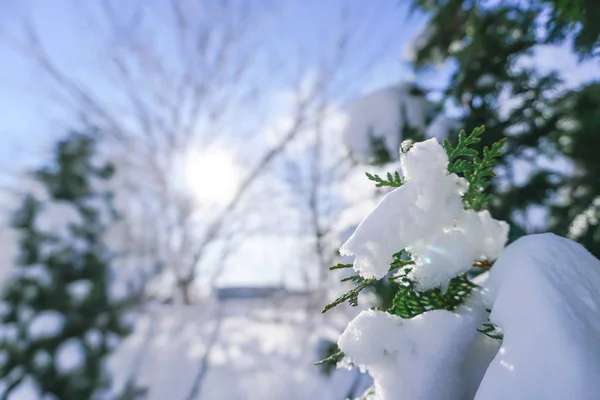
(340, 266)
(385, 291)
(547, 124)
(50, 266)
(331, 356)
(400, 260)
(578, 18)
(380, 154)
(352, 295)
(464, 161)
(132, 391)
(576, 137)
(486, 40)
(391, 181)
(409, 302)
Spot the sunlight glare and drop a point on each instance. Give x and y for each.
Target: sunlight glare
(212, 177)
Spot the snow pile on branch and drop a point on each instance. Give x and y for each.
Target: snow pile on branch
(426, 217)
(425, 357)
(440, 127)
(544, 295)
(382, 114)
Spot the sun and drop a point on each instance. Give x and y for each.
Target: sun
(212, 177)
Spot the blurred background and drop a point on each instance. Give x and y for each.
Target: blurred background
(176, 176)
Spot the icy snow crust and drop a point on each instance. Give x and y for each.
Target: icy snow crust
(425, 216)
(545, 295)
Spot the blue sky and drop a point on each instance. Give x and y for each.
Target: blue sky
(30, 115)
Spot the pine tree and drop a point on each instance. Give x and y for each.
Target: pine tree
(578, 18)
(59, 319)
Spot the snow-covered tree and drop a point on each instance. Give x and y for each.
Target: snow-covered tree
(60, 316)
(448, 334)
(426, 235)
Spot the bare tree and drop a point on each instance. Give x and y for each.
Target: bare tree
(170, 77)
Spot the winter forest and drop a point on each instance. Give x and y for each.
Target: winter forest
(299, 200)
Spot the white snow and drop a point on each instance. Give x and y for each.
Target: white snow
(441, 127)
(8, 238)
(56, 216)
(37, 272)
(93, 338)
(361, 197)
(544, 295)
(425, 216)
(69, 356)
(25, 312)
(46, 324)
(419, 41)
(263, 351)
(41, 359)
(26, 390)
(424, 358)
(381, 115)
(485, 81)
(162, 285)
(80, 289)
(582, 222)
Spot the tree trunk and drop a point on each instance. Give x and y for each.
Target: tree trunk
(185, 291)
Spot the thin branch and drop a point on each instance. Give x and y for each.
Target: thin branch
(37, 51)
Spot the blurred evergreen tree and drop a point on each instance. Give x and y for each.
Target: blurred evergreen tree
(575, 209)
(578, 18)
(59, 319)
(490, 86)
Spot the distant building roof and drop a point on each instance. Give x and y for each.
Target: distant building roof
(246, 292)
(251, 292)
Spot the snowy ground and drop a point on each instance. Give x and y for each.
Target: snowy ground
(260, 353)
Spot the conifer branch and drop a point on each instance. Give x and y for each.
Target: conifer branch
(465, 161)
(491, 330)
(352, 295)
(340, 266)
(363, 283)
(393, 180)
(409, 302)
(483, 264)
(332, 359)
